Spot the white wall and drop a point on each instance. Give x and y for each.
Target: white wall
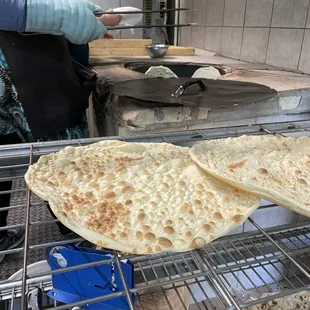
(276, 32)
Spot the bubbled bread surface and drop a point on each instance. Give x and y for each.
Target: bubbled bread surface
(139, 198)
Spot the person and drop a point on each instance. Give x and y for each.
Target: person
(45, 82)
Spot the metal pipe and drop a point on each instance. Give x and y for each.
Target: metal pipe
(215, 279)
(22, 150)
(10, 227)
(288, 256)
(17, 284)
(178, 22)
(16, 166)
(47, 275)
(12, 191)
(98, 14)
(170, 19)
(27, 225)
(148, 26)
(121, 273)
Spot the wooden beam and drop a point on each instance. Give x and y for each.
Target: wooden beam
(180, 51)
(139, 51)
(120, 43)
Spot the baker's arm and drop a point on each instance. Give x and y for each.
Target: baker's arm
(72, 18)
(13, 15)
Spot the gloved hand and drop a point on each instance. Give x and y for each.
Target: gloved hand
(74, 19)
(111, 20)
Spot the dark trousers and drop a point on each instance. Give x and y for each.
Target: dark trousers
(7, 186)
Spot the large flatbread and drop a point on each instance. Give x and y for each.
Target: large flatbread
(272, 167)
(138, 198)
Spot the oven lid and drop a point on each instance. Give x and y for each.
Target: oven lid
(193, 92)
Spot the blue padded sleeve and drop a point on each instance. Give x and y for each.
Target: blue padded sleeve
(13, 15)
(72, 18)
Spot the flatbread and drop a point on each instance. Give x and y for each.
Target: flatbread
(161, 72)
(292, 302)
(207, 73)
(137, 197)
(272, 167)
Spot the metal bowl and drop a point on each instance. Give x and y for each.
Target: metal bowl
(157, 50)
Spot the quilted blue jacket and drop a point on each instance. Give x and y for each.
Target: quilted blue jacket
(72, 18)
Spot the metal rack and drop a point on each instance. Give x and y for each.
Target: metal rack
(221, 276)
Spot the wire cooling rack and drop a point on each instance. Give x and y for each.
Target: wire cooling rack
(231, 273)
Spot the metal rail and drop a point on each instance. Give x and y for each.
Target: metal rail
(151, 26)
(141, 12)
(273, 260)
(25, 258)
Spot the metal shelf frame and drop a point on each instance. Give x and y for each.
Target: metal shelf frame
(221, 274)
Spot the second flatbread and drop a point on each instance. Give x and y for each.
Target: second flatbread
(272, 167)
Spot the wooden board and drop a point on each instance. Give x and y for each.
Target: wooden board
(180, 51)
(120, 43)
(131, 47)
(139, 51)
